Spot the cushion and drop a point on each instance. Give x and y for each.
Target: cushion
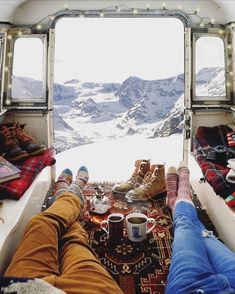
(29, 170)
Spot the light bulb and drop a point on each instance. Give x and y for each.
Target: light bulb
(9, 86)
(212, 20)
(229, 46)
(19, 33)
(197, 10)
(231, 73)
(135, 11)
(147, 6)
(8, 101)
(118, 9)
(221, 32)
(6, 69)
(9, 54)
(228, 84)
(39, 27)
(52, 17)
(9, 37)
(179, 7)
(164, 5)
(66, 6)
(101, 14)
(202, 24)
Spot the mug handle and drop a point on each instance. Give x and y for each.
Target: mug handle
(151, 220)
(102, 225)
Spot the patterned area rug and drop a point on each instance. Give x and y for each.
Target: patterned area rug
(137, 267)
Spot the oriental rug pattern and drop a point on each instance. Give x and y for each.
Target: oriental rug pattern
(137, 267)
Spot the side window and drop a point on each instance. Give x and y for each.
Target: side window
(28, 70)
(210, 67)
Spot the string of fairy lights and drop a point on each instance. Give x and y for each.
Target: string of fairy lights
(122, 10)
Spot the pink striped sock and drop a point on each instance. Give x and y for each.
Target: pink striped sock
(171, 186)
(184, 188)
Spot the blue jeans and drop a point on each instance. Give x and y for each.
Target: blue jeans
(200, 263)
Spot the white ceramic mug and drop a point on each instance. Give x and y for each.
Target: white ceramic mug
(136, 224)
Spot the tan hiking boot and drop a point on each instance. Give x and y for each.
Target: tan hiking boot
(153, 185)
(142, 167)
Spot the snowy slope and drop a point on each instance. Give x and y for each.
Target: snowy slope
(66, 136)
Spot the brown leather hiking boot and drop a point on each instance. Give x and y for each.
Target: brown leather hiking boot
(153, 185)
(26, 142)
(142, 167)
(10, 145)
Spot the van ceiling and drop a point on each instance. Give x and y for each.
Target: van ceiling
(31, 11)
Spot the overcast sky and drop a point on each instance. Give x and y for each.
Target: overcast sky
(112, 49)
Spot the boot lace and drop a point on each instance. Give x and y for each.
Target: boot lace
(24, 137)
(10, 136)
(148, 180)
(138, 176)
(136, 179)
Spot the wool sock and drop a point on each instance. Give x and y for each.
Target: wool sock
(184, 188)
(64, 180)
(82, 176)
(77, 186)
(171, 186)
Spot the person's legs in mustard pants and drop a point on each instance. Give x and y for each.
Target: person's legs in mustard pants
(55, 248)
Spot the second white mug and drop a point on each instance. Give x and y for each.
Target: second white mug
(136, 224)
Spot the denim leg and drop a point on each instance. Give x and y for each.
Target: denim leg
(222, 259)
(190, 267)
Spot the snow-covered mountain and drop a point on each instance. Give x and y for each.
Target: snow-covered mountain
(211, 82)
(155, 99)
(87, 112)
(173, 122)
(66, 136)
(26, 88)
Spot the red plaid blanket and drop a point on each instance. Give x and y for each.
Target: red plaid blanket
(29, 170)
(206, 138)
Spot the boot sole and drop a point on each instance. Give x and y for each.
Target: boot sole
(161, 195)
(18, 158)
(37, 152)
(118, 193)
(155, 197)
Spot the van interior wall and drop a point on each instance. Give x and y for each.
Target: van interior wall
(211, 118)
(220, 214)
(37, 124)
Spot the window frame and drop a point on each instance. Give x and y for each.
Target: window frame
(217, 33)
(26, 103)
(2, 41)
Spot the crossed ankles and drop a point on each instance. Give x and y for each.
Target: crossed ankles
(65, 183)
(178, 186)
